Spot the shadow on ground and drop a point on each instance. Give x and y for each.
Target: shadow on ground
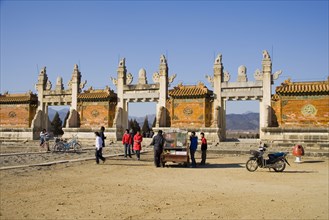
(313, 161)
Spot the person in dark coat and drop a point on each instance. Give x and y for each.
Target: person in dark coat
(158, 142)
(101, 133)
(204, 147)
(193, 147)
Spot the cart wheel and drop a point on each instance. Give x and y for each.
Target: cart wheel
(187, 164)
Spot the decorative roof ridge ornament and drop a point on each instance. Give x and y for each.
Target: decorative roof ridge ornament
(287, 82)
(200, 85)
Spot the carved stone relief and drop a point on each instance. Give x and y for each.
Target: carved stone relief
(258, 75)
(226, 76)
(242, 74)
(129, 79)
(156, 77)
(12, 114)
(309, 110)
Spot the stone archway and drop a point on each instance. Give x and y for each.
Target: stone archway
(57, 97)
(260, 89)
(141, 92)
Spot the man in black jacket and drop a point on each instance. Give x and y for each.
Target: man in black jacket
(158, 142)
(101, 133)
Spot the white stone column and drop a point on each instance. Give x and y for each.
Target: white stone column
(265, 104)
(121, 81)
(218, 111)
(40, 87)
(75, 83)
(223, 120)
(163, 89)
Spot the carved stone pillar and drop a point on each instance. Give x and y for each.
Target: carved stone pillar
(218, 111)
(163, 91)
(75, 83)
(265, 104)
(121, 81)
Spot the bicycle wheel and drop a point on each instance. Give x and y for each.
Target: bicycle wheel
(77, 148)
(60, 147)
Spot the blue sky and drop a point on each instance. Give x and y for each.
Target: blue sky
(95, 34)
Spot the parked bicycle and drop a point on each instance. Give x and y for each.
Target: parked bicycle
(62, 145)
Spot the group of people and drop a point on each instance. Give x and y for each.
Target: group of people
(194, 146)
(129, 140)
(158, 142)
(134, 141)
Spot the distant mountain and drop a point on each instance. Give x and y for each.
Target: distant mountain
(62, 113)
(247, 121)
(236, 122)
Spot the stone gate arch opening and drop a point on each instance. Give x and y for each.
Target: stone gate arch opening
(57, 123)
(242, 120)
(140, 112)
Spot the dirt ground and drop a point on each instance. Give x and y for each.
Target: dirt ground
(131, 189)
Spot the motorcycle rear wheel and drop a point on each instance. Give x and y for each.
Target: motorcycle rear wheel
(252, 165)
(281, 165)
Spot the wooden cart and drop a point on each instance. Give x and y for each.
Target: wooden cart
(176, 148)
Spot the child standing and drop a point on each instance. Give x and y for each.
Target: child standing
(138, 144)
(203, 149)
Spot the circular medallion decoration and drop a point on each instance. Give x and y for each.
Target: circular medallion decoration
(308, 110)
(95, 113)
(188, 111)
(12, 114)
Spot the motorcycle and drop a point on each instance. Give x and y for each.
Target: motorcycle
(277, 161)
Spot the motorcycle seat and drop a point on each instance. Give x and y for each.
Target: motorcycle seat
(277, 154)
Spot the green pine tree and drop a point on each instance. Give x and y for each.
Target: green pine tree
(154, 122)
(136, 126)
(146, 126)
(56, 125)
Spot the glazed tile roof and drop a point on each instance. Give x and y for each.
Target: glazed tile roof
(288, 87)
(18, 98)
(190, 91)
(92, 94)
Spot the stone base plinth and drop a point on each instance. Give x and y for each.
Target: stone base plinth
(311, 137)
(111, 134)
(17, 134)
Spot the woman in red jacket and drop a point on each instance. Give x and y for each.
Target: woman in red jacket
(138, 144)
(126, 141)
